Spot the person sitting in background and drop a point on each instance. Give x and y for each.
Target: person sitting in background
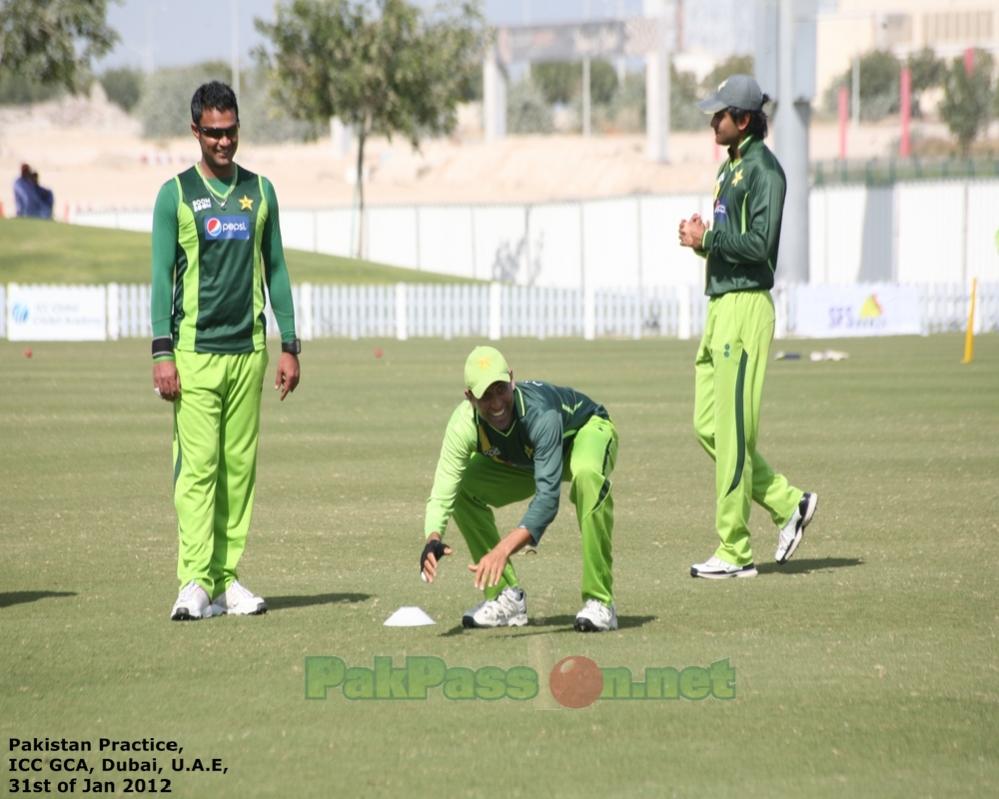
(30, 198)
(45, 198)
(24, 193)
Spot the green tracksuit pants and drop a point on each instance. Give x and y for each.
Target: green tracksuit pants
(730, 369)
(489, 483)
(215, 432)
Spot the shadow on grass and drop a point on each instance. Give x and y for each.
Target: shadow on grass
(563, 624)
(20, 597)
(286, 602)
(807, 566)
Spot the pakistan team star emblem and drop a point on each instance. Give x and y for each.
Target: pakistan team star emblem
(245, 203)
(735, 181)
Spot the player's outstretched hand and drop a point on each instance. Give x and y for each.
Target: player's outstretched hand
(434, 550)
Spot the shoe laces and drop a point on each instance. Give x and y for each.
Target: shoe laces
(190, 591)
(597, 606)
(503, 606)
(238, 591)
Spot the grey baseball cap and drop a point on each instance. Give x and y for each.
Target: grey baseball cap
(736, 91)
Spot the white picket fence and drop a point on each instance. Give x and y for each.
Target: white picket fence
(496, 311)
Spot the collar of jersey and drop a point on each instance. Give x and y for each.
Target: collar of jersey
(517, 397)
(741, 150)
(220, 197)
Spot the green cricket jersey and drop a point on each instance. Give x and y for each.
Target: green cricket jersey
(546, 420)
(216, 245)
(741, 245)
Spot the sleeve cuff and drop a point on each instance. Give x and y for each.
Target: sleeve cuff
(162, 348)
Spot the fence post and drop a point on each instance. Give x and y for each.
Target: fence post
(400, 312)
(495, 311)
(112, 311)
(306, 329)
(589, 312)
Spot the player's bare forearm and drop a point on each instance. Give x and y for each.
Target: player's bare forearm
(490, 567)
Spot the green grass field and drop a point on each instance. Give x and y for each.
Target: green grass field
(37, 251)
(864, 667)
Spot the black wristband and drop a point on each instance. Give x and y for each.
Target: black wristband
(294, 346)
(163, 345)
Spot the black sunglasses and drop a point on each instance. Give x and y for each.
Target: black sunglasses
(218, 133)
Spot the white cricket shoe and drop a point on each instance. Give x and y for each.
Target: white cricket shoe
(717, 569)
(790, 534)
(192, 604)
(596, 617)
(509, 609)
(237, 600)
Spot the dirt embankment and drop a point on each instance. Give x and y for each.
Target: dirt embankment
(93, 156)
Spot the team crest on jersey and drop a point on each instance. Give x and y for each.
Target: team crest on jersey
(227, 227)
(201, 204)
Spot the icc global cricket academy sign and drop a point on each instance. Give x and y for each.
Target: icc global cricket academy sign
(863, 310)
(56, 313)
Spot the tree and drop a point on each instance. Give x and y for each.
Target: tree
(926, 71)
(603, 81)
(558, 80)
(879, 85)
(388, 70)
(967, 102)
(23, 90)
(165, 105)
(683, 96)
(527, 109)
(562, 81)
(123, 86)
(54, 41)
(733, 65)
(263, 120)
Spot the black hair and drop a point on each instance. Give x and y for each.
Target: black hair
(757, 119)
(215, 95)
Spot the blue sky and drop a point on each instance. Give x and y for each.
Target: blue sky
(161, 33)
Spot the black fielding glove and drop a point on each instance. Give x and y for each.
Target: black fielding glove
(437, 547)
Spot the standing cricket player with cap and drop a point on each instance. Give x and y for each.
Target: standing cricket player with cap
(740, 248)
(513, 441)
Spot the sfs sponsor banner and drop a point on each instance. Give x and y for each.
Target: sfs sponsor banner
(56, 313)
(840, 311)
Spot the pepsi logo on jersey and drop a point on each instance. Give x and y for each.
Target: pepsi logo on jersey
(227, 227)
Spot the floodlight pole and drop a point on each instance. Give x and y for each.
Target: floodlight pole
(234, 27)
(785, 59)
(657, 85)
(493, 96)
